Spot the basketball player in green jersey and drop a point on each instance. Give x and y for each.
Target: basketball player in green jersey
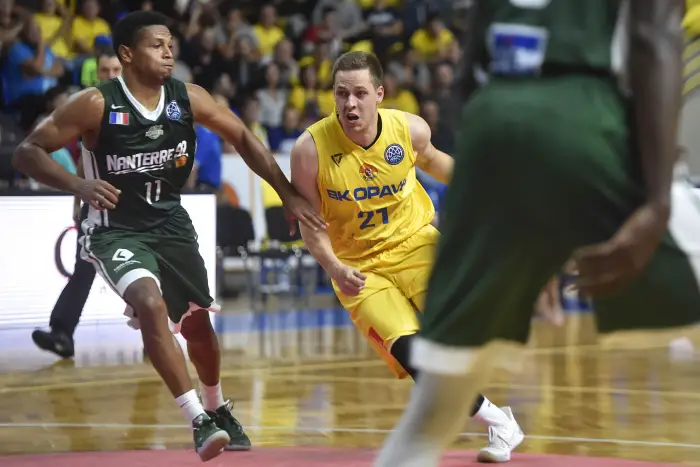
(564, 153)
(139, 144)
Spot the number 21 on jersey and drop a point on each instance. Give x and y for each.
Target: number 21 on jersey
(369, 220)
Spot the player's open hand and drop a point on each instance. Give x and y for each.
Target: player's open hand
(298, 208)
(605, 267)
(350, 281)
(98, 193)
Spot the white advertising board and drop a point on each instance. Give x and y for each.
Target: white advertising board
(37, 241)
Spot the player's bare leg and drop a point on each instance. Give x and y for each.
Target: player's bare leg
(166, 357)
(504, 432)
(205, 355)
(438, 408)
(203, 349)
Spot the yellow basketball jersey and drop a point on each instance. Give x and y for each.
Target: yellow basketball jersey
(369, 197)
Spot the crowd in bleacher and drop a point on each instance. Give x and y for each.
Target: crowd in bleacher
(269, 62)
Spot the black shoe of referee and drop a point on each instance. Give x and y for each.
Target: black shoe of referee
(54, 341)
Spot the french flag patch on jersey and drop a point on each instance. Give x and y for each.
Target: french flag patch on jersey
(118, 118)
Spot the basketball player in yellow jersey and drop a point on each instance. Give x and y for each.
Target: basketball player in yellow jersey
(357, 167)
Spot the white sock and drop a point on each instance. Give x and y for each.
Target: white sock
(489, 414)
(189, 405)
(212, 397)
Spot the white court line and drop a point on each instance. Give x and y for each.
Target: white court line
(130, 426)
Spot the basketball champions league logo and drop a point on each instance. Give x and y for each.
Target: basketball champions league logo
(394, 154)
(172, 111)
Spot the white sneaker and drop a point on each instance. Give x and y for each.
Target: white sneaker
(503, 439)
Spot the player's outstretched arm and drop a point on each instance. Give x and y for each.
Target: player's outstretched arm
(436, 163)
(655, 79)
(655, 70)
(79, 116)
(226, 124)
(304, 163)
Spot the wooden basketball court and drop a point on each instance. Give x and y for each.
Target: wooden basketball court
(306, 380)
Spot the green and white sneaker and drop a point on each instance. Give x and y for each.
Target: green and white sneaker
(224, 419)
(209, 439)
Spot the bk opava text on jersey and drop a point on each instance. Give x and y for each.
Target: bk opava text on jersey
(366, 192)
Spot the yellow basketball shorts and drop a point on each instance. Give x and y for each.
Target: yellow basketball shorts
(395, 288)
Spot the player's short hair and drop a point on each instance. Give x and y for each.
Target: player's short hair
(358, 60)
(126, 31)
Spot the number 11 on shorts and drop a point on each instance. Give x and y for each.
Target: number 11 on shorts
(149, 192)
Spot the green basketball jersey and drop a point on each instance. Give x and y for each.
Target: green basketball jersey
(526, 37)
(147, 155)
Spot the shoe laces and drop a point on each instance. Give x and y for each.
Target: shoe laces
(225, 412)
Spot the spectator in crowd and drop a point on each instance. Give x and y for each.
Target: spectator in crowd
(309, 99)
(245, 68)
(442, 137)
(182, 70)
(453, 54)
(432, 42)
(348, 17)
(12, 19)
(235, 27)
(267, 32)
(251, 118)
(443, 94)
(283, 138)
(410, 72)
(108, 66)
(207, 62)
(272, 98)
(283, 57)
(206, 173)
(324, 33)
(195, 24)
(227, 88)
(323, 62)
(55, 23)
(385, 27)
(396, 97)
(89, 70)
(87, 26)
(31, 69)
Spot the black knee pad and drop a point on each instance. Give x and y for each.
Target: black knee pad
(401, 351)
